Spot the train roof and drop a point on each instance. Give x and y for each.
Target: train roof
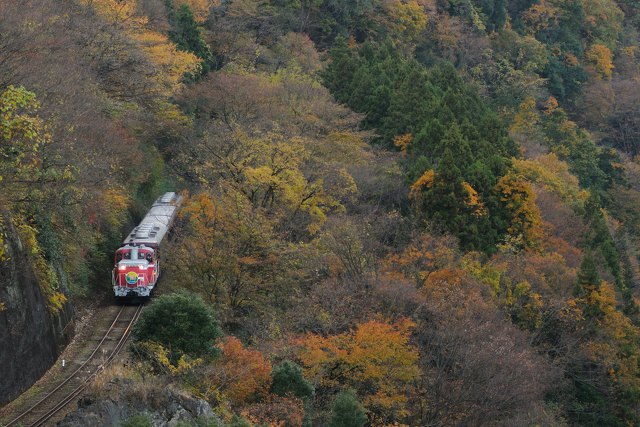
(155, 225)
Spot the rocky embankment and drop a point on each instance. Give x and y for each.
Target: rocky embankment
(122, 399)
(30, 337)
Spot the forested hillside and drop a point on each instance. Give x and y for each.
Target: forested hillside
(398, 212)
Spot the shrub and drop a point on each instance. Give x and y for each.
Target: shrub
(347, 411)
(287, 379)
(181, 323)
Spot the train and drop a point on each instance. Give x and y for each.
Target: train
(137, 267)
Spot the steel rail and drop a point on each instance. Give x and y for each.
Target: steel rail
(70, 396)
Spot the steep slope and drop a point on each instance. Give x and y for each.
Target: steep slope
(31, 335)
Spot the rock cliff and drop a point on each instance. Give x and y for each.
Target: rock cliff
(31, 338)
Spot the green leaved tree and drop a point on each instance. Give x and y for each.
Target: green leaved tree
(182, 323)
(187, 35)
(347, 411)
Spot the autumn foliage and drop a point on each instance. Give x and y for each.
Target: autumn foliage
(242, 374)
(375, 358)
(519, 199)
(408, 212)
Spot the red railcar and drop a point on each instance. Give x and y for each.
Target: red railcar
(137, 262)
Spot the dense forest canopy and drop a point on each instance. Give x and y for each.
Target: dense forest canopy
(398, 212)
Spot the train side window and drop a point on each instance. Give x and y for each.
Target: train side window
(118, 257)
(149, 257)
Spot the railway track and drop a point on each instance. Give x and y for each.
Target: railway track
(67, 390)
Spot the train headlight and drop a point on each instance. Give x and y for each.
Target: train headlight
(142, 267)
(122, 267)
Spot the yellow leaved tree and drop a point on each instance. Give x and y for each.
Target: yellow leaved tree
(554, 175)
(165, 65)
(601, 58)
(230, 251)
(269, 171)
(406, 19)
(520, 201)
(24, 170)
(23, 136)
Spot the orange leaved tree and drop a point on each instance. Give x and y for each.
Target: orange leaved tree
(376, 359)
(240, 375)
